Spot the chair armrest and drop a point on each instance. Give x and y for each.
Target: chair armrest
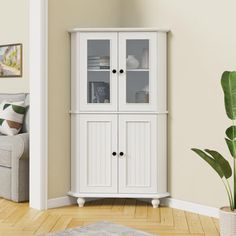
(19, 147)
(17, 144)
(25, 139)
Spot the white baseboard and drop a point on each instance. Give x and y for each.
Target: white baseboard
(61, 201)
(170, 202)
(191, 207)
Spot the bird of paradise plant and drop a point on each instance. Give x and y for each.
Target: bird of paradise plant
(214, 158)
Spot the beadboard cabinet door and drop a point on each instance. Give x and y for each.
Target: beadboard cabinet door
(98, 144)
(138, 164)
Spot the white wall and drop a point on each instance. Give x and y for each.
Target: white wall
(14, 18)
(64, 15)
(202, 44)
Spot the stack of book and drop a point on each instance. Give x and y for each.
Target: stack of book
(97, 62)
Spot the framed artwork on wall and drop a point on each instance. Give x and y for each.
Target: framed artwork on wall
(11, 60)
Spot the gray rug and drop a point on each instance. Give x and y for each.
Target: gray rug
(100, 229)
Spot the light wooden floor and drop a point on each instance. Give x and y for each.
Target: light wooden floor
(19, 219)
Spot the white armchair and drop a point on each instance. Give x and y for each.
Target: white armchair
(14, 158)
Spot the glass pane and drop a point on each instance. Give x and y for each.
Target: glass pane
(137, 67)
(137, 54)
(98, 75)
(98, 54)
(137, 87)
(98, 87)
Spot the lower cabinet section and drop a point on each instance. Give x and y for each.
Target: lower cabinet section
(117, 156)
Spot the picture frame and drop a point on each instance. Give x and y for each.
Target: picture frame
(11, 60)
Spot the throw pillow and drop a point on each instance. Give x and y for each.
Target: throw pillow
(11, 117)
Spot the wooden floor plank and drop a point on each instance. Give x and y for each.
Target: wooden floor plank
(180, 222)
(6, 212)
(208, 226)
(118, 205)
(17, 215)
(75, 222)
(47, 225)
(216, 222)
(129, 207)
(28, 217)
(141, 210)
(36, 223)
(20, 220)
(107, 203)
(194, 223)
(61, 223)
(167, 216)
(154, 215)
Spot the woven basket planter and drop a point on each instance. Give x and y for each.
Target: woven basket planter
(227, 222)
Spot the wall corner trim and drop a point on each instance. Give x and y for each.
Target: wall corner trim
(191, 207)
(38, 74)
(61, 201)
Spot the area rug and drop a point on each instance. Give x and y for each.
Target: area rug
(103, 228)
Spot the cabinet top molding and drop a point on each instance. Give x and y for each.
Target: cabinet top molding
(117, 30)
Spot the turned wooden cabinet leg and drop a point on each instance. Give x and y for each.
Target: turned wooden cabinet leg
(155, 202)
(81, 201)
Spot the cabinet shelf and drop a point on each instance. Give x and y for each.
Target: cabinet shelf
(95, 70)
(137, 70)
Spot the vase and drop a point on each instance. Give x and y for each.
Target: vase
(227, 222)
(145, 59)
(132, 62)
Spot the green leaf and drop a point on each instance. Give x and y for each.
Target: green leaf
(18, 109)
(231, 132)
(6, 106)
(210, 161)
(223, 163)
(232, 147)
(228, 82)
(1, 121)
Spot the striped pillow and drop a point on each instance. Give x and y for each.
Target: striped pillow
(11, 117)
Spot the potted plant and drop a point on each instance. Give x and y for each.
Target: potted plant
(219, 163)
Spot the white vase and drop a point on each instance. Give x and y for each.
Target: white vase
(145, 59)
(227, 222)
(132, 62)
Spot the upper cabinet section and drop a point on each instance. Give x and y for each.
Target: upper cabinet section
(118, 71)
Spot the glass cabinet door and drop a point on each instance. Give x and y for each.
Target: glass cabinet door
(137, 71)
(98, 76)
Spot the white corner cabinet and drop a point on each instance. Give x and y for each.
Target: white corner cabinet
(118, 114)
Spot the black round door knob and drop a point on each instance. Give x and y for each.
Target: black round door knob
(121, 154)
(114, 154)
(113, 71)
(121, 71)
